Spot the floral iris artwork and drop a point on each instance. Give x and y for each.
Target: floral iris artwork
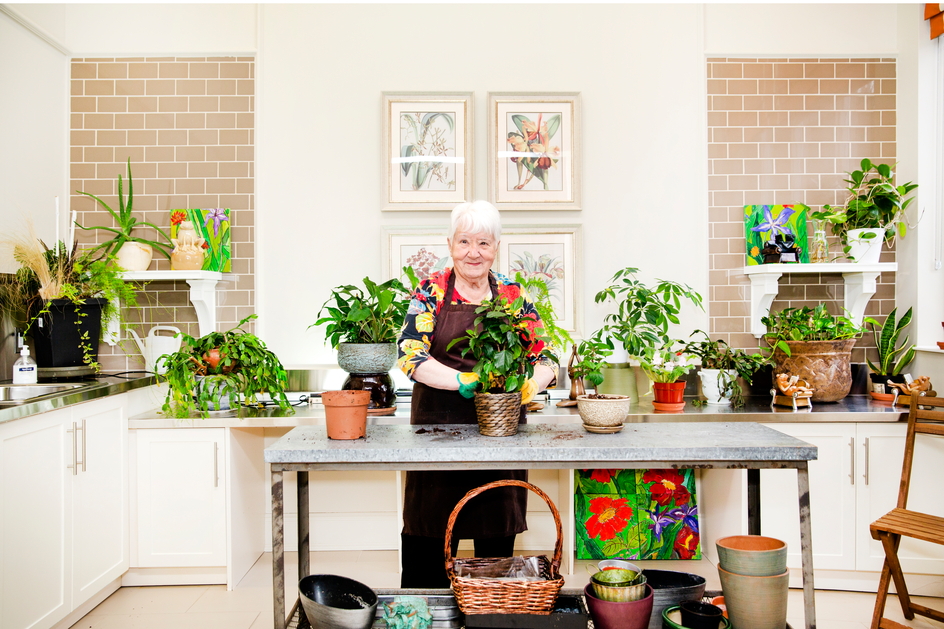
(636, 514)
(425, 137)
(762, 223)
(539, 149)
(213, 225)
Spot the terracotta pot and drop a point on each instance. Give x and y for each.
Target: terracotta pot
(346, 413)
(824, 364)
(134, 256)
(668, 392)
(752, 555)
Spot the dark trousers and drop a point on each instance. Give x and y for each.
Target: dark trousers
(424, 558)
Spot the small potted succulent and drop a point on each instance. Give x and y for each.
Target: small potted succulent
(720, 367)
(665, 366)
(500, 341)
(892, 357)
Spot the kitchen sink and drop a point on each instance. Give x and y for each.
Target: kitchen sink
(23, 393)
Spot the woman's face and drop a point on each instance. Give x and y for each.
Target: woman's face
(472, 254)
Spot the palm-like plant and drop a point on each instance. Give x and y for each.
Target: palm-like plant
(126, 224)
(886, 342)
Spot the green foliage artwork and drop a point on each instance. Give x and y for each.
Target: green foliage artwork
(762, 223)
(213, 225)
(636, 514)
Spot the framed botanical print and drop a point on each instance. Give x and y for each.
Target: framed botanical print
(422, 248)
(551, 253)
(533, 151)
(427, 150)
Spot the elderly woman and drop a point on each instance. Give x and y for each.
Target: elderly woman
(442, 309)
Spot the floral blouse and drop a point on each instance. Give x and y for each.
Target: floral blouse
(420, 321)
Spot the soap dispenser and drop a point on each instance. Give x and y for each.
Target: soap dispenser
(25, 370)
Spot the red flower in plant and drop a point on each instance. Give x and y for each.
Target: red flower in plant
(666, 486)
(177, 217)
(602, 476)
(206, 245)
(686, 543)
(509, 292)
(609, 517)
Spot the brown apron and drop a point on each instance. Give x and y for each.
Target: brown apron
(431, 496)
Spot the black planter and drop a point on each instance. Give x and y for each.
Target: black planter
(883, 380)
(58, 333)
(383, 393)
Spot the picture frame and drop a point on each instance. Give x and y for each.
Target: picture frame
(554, 251)
(534, 150)
(423, 248)
(426, 159)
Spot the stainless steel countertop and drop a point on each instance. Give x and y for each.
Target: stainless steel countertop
(95, 389)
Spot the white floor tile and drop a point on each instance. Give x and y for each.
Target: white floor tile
(219, 620)
(151, 600)
(244, 599)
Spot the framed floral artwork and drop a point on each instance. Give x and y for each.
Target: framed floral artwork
(551, 253)
(533, 151)
(427, 150)
(763, 223)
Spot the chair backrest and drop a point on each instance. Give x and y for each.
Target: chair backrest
(920, 420)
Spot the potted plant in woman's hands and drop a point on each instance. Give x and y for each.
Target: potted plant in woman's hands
(665, 365)
(720, 367)
(889, 365)
(500, 341)
(235, 364)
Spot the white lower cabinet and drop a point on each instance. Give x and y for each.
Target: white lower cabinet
(853, 482)
(63, 511)
(181, 498)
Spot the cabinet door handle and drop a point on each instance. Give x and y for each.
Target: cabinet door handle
(75, 461)
(83, 445)
(852, 447)
(866, 474)
(216, 466)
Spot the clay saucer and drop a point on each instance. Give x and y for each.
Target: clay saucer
(882, 397)
(940, 344)
(603, 430)
(668, 407)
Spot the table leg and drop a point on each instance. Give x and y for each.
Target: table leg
(278, 554)
(304, 557)
(753, 502)
(806, 545)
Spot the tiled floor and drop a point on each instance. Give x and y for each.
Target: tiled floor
(249, 606)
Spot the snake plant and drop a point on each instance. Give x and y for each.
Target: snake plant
(886, 342)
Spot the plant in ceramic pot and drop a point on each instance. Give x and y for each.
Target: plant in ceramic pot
(720, 367)
(814, 345)
(501, 341)
(892, 357)
(643, 313)
(597, 409)
(219, 370)
(873, 212)
(665, 365)
(132, 252)
(362, 324)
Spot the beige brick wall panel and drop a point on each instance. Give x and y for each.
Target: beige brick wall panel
(204, 137)
(99, 121)
(235, 202)
(99, 154)
(834, 149)
(159, 153)
(84, 70)
(159, 121)
(172, 137)
(194, 154)
(161, 87)
(113, 104)
(80, 138)
(129, 121)
(190, 121)
(245, 186)
(191, 87)
(76, 88)
(220, 186)
(850, 70)
(142, 70)
(233, 169)
(804, 149)
(773, 150)
(817, 70)
(204, 103)
(201, 170)
(221, 120)
(235, 70)
(758, 70)
(880, 70)
(758, 103)
(172, 170)
(143, 104)
(200, 70)
(821, 134)
(834, 118)
(788, 70)
(130, 87)
(221, 88)
(112, 138)
(173, 70)
(865, 149)
(881, 134)
(728, 103)
(221, 154)
(788, 103)
(246, 87)
(246, 120)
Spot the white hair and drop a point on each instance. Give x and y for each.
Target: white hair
(474, 218)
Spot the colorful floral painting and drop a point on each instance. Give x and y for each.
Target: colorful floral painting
(214, 226)
(636, 514)
(762, 223)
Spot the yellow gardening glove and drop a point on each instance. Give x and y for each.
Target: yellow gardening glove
(528, 391)
(468, 383)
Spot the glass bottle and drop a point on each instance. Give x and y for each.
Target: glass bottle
(819, 248)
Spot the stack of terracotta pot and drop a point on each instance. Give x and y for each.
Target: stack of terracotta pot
(755, 580)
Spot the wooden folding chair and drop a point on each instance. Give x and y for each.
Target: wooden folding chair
(900, 522)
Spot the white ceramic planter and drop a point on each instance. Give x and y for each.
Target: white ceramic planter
(711, 385)
(865, 250)
(134, 256)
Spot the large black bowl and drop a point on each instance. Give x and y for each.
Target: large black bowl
(335, 602)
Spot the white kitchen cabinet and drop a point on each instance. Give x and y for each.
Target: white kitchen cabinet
(180, 498)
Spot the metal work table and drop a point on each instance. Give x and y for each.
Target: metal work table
(536, 446)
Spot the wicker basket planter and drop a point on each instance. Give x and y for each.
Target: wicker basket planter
(824, 364)
(498, 413)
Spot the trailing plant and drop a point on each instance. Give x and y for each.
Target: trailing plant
(665, 363)
(591, 357)
(806, 324)
(717, 354)
(643, 314)
(234, 363)
(374, 316)
(539, 291)
(500, 341)
(126, 225)
(886, 343)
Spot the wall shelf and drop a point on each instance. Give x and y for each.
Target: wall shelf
(859, 280)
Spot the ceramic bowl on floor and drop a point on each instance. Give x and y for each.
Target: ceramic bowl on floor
(752, 555)
(618, 564)
(335, 602)
(671, 588)
(672, 619)
(755, 602)
(612, 615)
(618, 585)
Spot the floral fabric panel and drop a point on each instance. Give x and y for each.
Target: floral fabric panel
(762, 224)
(636, 514)
(213, 225)
(420, 321)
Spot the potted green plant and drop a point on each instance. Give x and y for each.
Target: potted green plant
(814, 345)
(873, 212)
(363, 324)
(665, 365)
(720, 367)
(217, 371)
(132, 252)
(892, 357)
(642, 318)
(63, 299)
(500, 341)
(600, 412)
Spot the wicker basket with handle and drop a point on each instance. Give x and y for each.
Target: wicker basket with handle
(487, 596)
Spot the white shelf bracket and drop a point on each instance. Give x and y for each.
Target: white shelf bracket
(860, 286)
(764, 287)
(203, 298)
